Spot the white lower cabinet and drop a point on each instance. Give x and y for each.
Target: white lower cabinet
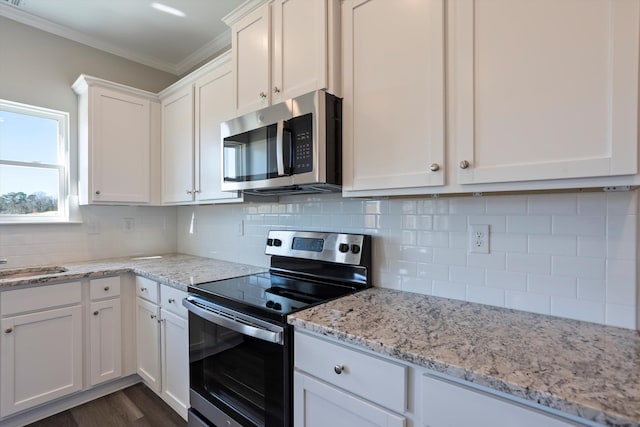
(339, 385)
(105, 325)
(163, 342)
(40, 351)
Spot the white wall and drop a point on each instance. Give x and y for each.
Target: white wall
(38, 68)
(570, 255)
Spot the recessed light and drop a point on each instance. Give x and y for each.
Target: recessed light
(168, 9)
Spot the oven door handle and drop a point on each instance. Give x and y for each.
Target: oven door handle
(274, 336)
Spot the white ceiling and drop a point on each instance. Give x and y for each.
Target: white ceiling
(132, 28)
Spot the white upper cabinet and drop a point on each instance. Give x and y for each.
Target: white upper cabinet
(393, 94)
(282, 49)
(118, 128)
(192, 111)
(544, 89)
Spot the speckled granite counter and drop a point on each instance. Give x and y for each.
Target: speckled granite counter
(175, 270)
(584, 369)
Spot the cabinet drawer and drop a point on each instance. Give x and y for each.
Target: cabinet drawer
(171, 300)
(147, 289)
(378, 380)
(104, 288)
(39, 297)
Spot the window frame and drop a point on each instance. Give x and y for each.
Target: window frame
(63, 166)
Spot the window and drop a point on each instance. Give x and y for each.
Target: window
(34, 163)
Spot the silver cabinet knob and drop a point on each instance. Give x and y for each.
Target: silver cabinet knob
(95, 313)
(434, 167)
(263, 95)
(106, 289)
(153, 316)
(143, 289)
(338, 369)
(189, 191)
(8, 330)
(464, 164)
(171, 300)
(97, 192)
(276, 89)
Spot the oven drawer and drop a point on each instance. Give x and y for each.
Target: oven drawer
(378, 380)
(147, 289)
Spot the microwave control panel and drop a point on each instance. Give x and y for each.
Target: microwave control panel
(302, 152)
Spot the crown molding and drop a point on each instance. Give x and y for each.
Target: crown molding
(18, 15)
(217, 45)
(242, 10)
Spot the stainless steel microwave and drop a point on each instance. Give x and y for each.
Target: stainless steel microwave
(293, 147)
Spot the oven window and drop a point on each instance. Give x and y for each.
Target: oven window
(243, 376)
(251, 156)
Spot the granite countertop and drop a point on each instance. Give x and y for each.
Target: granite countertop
(176, 270)
(581, 368)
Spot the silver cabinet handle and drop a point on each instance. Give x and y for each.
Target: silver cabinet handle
(434, 167)
(153, 316)
(171, 300)
(143, 289)
(106, 289)
(464, 164)
(276, 89)
(338, 369)
(263, 95)
(95, 313)
(8, 330)
(189, 191)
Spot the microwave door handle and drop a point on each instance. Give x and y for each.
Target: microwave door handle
(280, 146)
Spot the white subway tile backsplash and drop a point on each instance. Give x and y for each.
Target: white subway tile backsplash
(553, 285)
(580, 225)
(416, 253)
(467, 275)
(449, 223)
(592, 204)
(529, 224)
(529, 263)
(619, 274)
(594, 247)
(403, 268)
(449, 290)
(623, 316)
(592, 289)
(507, 280)
(508, 242)
(491, 261)
(436, 239)
(421, 286)
(506, 205)
(459, 240)
(497, 224)
(485, 295)
(621, 237)
(450, 256)
(588, 268)
(589, 311)
(432, 271)
(625, 203)
(553, 204)
(553, 245)
(528, 302)
(467, 205)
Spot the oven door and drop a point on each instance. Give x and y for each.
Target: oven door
(239, 367)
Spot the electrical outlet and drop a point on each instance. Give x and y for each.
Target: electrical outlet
(129, 224)
(479, 238)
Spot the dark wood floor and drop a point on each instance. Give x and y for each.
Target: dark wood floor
(136, 406)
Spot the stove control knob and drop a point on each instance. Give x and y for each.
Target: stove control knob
(355, 249)
(277, 243)
(270, 304)
(269, 242)
(277, 306)
(344, 248)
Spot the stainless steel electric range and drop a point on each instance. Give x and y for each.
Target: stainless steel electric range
(240, 346)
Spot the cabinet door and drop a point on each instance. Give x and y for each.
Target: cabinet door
(317, 404)
(214, 104)
(106, 340)
(251, 47)
(175, 362)
(177, 147)
(148, 343)
(41, 358)
(299, 48)
(393, 104)
(120, 144)
(544, 89)
(442, 401)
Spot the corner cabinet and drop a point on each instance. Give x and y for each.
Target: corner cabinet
(192, 110)
(282, 49)
(118, 141)
(468, 96)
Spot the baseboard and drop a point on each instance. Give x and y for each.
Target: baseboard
(43, 411)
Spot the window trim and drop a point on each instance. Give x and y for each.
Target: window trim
(63, 166)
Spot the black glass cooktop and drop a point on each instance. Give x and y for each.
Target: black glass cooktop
(269, 295)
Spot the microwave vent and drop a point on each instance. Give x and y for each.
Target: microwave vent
(15, 3)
